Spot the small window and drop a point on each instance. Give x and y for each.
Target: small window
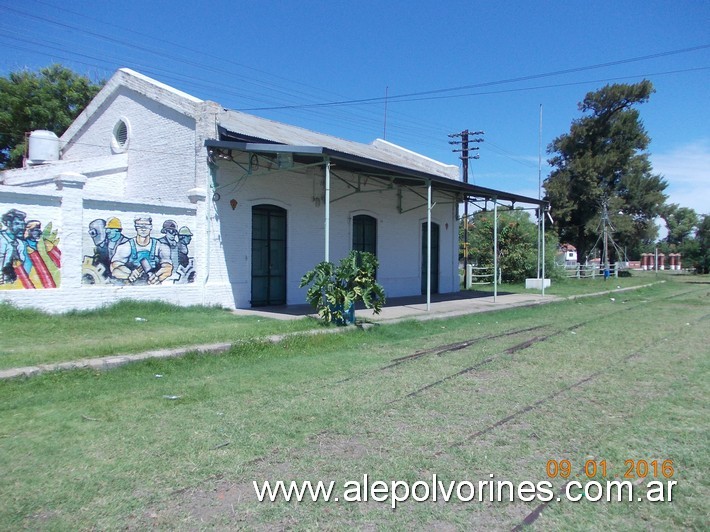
(119, 143)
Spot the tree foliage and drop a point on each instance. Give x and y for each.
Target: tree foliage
(702, 240)
(602, 160)
(680, 223)
(517, 244)
(50, 99)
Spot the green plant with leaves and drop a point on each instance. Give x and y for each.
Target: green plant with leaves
(334, 290)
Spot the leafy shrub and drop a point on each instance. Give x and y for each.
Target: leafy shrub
(334, 290)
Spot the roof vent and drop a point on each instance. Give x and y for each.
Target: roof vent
(43, 147)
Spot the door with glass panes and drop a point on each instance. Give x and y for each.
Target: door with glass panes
(268, 255)
(434, 258)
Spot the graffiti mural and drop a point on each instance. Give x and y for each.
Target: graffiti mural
(140, 259)
(30, 256)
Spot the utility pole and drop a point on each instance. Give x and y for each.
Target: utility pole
(464, 143)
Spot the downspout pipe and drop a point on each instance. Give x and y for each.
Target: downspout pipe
(428, 247)
(327, 209)
(495, 250)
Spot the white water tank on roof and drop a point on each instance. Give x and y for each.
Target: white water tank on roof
(43, 147)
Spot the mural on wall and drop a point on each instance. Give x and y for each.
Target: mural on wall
(30, 256)
(141, 259)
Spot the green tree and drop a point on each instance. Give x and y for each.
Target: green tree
(50, 99)
(702, 237)
(517, 244)
(602, 160)
(680, 223)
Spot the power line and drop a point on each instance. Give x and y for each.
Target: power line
(407, 97)
(413, 128)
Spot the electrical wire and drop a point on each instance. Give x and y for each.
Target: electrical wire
(362, 114)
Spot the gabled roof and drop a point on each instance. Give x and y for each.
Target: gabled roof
(246, 132)
(125, 77)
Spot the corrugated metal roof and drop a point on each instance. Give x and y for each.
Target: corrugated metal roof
(251, 133)
(254, 128)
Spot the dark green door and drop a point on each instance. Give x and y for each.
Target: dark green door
(365, 233)
(268, 255)
(434, 258)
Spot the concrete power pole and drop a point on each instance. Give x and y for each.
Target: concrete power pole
(464, 150)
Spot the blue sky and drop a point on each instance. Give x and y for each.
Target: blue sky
(444, 66)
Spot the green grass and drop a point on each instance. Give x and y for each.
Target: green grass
(107, 450)
(574, 287)
(31, 337)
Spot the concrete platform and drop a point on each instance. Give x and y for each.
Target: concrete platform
(415, 308)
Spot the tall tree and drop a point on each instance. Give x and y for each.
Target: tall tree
(50, 99)
(680, 222)
(602, 160)
(702, 236)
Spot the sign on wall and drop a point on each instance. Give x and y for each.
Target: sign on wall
(139, 254)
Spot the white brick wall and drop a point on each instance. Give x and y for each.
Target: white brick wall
(399, 235)
(164, 165)
(160, 149)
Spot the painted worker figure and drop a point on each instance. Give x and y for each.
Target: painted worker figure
(114, 235)
(97, 232)
(12, 246)
(170, 238)
(184, 239)
(142, 258)
(43, 257)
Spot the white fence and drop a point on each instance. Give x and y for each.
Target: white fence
(480, 275)
(586, 271)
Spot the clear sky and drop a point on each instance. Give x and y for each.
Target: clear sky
(444, 66)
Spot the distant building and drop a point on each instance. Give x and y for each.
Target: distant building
(568, 254)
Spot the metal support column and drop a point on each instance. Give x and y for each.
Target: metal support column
(495, 250)
(327, 209)
(544, 211)
(428, 247)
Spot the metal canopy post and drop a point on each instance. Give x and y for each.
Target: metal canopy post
(428, 246)
(495, 250)
(542, 238)
(327, 209)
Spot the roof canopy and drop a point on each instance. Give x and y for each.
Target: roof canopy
(380, 159)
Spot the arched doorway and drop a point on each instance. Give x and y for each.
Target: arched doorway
(434, 258)
(268, 255)
(365, 233)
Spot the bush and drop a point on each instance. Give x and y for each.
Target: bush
(335, 290)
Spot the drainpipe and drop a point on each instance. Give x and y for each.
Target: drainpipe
(495, 250)
(428, 247)
(544, 211)
(327, 209)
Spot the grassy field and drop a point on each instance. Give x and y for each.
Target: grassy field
(31, 337)
(573, 287)
(177, 444)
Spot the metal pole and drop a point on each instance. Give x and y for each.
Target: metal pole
(464, 160)
(428, 247)
(543, 252)
(327, 209)
(495, 250)
(540, 236)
